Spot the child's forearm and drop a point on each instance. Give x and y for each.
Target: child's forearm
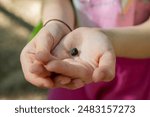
(131, 42)
(58, 9)
(61, 10)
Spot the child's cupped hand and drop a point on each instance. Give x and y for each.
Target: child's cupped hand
(85, 55)
(94, 60)
(37, 53)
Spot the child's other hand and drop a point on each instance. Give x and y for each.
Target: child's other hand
(38, 52)
(95, 60)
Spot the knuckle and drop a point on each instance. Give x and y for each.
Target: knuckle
(41, 85)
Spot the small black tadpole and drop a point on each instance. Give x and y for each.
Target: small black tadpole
(74, 51)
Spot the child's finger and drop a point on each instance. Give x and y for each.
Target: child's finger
(73, 84)
(44, 57)
(106, 69)
(40, 81)
(39, 69)
(27, 62)
(73, 70)
(61, 80)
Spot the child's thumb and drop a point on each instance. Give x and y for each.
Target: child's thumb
(106, 68)
(44, 57)
(43, 46)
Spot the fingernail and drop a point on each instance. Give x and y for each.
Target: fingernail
(63, 82)
(79, 83)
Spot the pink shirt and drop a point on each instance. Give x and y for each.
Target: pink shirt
(110, 13)
(132, 80)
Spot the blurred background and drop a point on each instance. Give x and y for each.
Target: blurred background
(17, 20)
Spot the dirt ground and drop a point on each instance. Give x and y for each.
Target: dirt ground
(13, 37)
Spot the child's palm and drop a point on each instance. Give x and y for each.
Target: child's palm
(95, 60)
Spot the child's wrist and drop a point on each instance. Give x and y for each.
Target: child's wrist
(57, 29)
(60, 21)
(60, 25)
(112, 37)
